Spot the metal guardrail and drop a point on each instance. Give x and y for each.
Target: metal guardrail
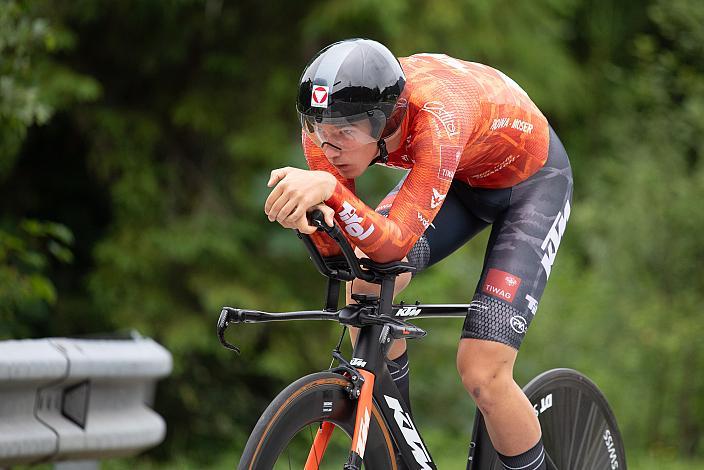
(78, 399)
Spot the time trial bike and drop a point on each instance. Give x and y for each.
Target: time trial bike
(352, 415)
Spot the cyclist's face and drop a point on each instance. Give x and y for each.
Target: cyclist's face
(345, 137)
(346, 148)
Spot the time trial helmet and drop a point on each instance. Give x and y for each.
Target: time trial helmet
(350, 95)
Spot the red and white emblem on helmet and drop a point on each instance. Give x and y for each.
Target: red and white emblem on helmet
(319, 97)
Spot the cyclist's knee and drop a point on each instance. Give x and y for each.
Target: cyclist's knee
(486, 370)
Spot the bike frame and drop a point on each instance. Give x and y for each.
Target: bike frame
(380, 322)
(368, 362)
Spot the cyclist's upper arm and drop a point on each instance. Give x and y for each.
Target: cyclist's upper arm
(436, 145)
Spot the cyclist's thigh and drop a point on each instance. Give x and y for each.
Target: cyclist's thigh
(521, 251)
(451, 228)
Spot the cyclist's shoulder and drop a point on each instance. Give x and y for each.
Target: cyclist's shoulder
(430, 70)
(429, 61)
(442, 85)
(442, 76)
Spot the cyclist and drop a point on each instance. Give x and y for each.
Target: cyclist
(479, 152)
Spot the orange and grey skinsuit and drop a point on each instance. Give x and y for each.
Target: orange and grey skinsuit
(464, 121)
(479, 153)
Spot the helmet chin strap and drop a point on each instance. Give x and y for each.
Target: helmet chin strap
(383, 153)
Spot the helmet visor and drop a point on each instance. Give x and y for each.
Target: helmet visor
(345, 133)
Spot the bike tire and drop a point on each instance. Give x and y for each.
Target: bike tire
(579, 429)
(316, 398)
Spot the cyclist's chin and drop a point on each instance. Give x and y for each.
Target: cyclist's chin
(350, 171)
(353, 163)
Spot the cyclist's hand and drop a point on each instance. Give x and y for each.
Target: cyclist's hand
(302, 224)
(295, 193)
(328, 215)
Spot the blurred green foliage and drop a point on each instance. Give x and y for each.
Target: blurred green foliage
(136, 139)
(25, 289)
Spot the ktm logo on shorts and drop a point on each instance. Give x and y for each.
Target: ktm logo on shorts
(501, 284)
(553, 238)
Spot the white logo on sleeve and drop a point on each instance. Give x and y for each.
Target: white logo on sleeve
(425, 222)
(446, 118)
(319, 96)
(436, 199)
(353, 222)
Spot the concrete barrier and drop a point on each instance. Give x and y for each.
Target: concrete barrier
(79, 399)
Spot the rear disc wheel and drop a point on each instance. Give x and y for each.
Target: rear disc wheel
(579, 430)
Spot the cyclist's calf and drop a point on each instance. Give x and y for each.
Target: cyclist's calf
(486, 369)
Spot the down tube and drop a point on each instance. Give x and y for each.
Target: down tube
(396, 413)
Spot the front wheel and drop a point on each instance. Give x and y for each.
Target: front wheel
(284, 435)
(579, 429)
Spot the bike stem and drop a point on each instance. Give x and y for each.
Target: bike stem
(386, 295)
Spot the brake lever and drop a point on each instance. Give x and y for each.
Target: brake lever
(226, 317)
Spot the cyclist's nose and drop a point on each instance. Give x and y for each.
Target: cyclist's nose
(331, 152)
